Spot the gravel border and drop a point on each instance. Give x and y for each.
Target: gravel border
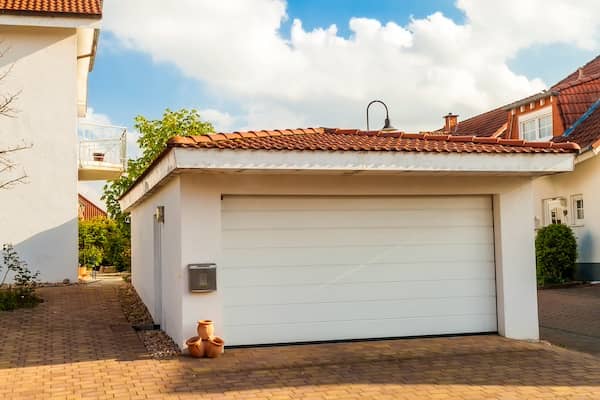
(158, 344)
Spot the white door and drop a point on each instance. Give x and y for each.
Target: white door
(308, 268)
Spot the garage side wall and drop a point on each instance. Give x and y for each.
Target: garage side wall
(143, 230)
(201, 231)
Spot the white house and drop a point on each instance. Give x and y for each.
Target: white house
(48, 49)
(328, 234)
(568, 111)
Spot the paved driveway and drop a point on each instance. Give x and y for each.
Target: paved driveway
(571, 317)
(78, 345)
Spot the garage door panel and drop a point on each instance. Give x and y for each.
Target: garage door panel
(248, 239)
(362, 291)
(314, 219)
(315, 331)
(315, 268)
(346, 273)
(243, 203)
(352, 311)
(250, 258)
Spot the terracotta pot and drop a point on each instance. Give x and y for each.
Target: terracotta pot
(195, 346)
(205, 329)
(98, 156)
(214, 347)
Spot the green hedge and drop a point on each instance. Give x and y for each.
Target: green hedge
(103, 242)
(556, 253)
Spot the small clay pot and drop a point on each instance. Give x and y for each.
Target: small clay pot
(214, 347)
(205, 329)
(98, 156)
(195, 346)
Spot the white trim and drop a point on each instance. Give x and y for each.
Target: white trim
(575, 221)
(49, 21)
(534, 115)
(235, 161)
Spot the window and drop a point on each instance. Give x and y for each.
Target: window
(555, 211)
(577, 209)
(536, 126)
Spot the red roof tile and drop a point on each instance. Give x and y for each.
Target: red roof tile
(326, 139)
(585, 134)
(78, 8)
(486, 124)
(576, 97)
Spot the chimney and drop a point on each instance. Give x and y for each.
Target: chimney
(451, 122)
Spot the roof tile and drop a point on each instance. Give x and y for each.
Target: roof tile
(326, 139)
(85, 8)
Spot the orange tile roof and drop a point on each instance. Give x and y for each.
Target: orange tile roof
(89, 210)
(585, 134)
(77, 8)
(327, 139)
(486, 124)
(575, 97)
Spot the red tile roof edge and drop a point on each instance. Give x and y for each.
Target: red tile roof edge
(185, 141)
(80, 9)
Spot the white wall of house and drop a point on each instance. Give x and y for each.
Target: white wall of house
(200, 234)
(143, 259)
(585, 181)
(40, 216)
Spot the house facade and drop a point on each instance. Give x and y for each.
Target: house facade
(329, 234)
(48, 49)
(568, 111)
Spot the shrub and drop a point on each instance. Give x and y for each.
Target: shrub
(22, 292)
(102, 241)
(556, 252)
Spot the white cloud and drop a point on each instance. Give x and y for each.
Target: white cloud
(222, 121)
(422, 70)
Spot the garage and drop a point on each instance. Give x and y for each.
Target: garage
(321, 234)
(313, 268)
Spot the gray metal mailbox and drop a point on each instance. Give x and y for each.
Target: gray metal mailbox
(202, 277)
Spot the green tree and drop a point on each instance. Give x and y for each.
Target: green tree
(154, 135)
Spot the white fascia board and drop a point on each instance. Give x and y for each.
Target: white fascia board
(49, 21)
(529, 163)
(86, 48)
(307, 161)
(153, 178)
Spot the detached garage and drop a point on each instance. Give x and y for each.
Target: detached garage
(327, 234)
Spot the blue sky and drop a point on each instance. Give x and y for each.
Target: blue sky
(264, 64)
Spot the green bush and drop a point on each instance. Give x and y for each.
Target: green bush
(102, 241)
(556, 252)
(21, 293)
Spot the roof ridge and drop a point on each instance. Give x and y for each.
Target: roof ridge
(565, 79)
(576, 82)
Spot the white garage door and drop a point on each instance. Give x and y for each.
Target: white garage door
(306, 268)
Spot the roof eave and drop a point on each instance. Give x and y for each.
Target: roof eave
(292, 162)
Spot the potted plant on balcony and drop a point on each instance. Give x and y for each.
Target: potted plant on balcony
(98, 156)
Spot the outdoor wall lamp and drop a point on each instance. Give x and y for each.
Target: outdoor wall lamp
(387, 126)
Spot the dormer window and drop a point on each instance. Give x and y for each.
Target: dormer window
(536, 126)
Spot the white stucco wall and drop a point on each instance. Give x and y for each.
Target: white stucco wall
(143, 255)
(200, 233)
(40, 216)
(584, 180)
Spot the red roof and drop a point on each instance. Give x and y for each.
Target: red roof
(591, 68)
(485, 124)
(88, 210)
(327, 139)
(586, 134)
(576, 97)
(77, 8)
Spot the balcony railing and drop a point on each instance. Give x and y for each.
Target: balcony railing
(102, 151)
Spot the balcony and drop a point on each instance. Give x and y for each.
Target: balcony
(102, 152)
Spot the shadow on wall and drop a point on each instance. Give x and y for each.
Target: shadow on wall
(53, 252)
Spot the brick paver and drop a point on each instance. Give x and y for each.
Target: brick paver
(570, 317)
(78, 345)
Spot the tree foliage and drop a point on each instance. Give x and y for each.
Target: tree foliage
(102, 242)
(22, 292)
(154, 135)
(556, 253)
